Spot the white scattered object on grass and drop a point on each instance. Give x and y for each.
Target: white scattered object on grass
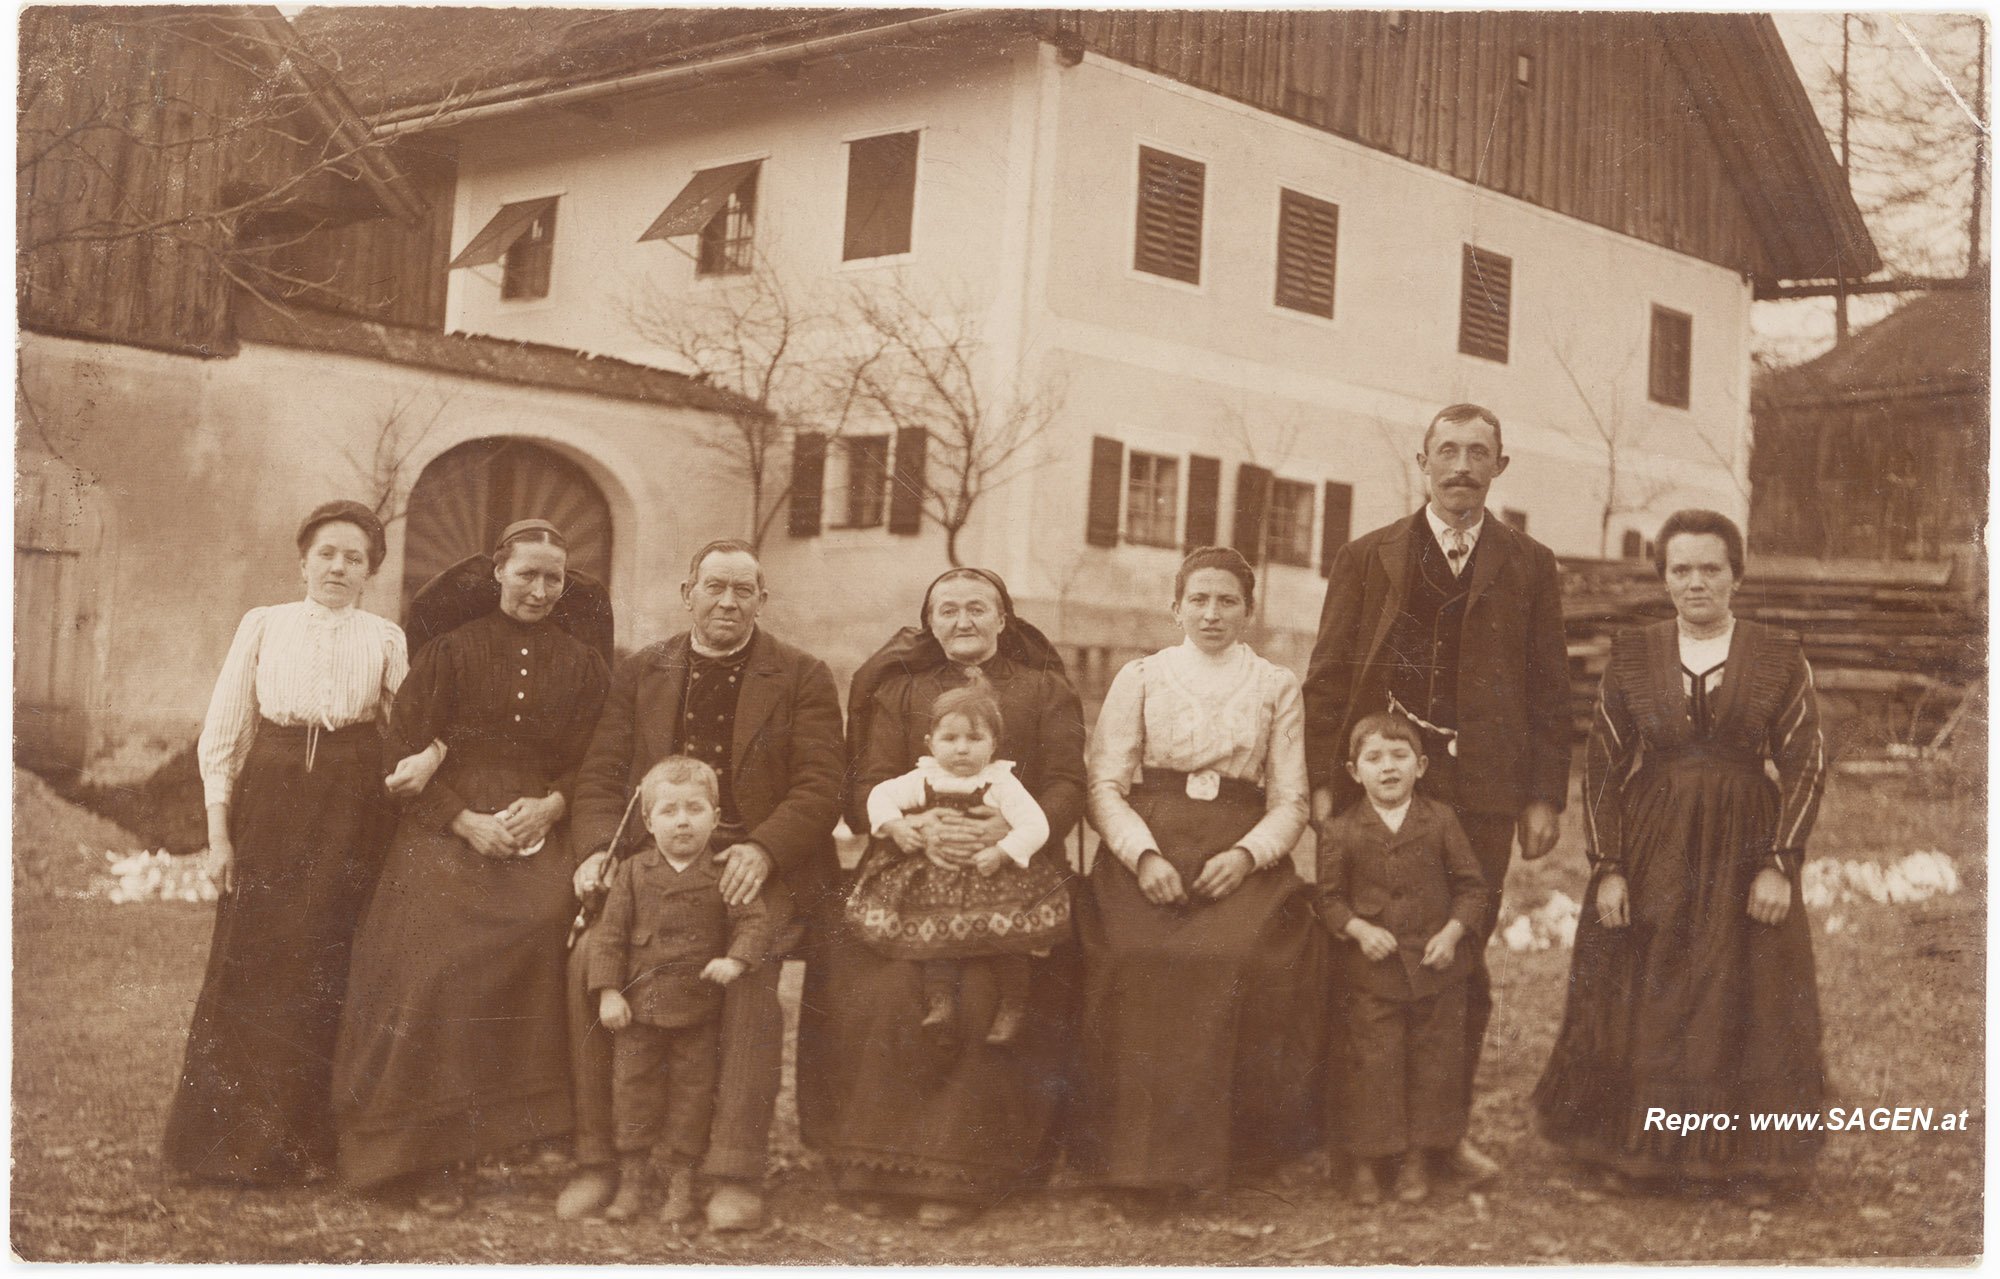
(157, 876)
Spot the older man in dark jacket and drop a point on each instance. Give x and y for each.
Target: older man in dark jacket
(1454, 619)
(766, 717)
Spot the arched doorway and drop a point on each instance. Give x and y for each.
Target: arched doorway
(469, 493)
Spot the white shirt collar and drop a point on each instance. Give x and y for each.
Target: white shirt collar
(1438, 527)
(694, 638)
(1392, 817)
(319, 612)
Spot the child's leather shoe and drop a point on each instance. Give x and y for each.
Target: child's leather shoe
(1413, 1185)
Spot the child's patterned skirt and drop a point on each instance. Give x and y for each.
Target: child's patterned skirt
(904, 907)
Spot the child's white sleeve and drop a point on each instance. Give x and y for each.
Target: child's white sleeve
(893, 798)
(1030, 823)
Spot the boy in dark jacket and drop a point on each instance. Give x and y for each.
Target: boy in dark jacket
(658, 965)
(1397, 878)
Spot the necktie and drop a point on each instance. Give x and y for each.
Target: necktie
(1455, 550)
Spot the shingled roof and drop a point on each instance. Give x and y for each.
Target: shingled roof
(393, 57)
(488, 358)
(1934, 345)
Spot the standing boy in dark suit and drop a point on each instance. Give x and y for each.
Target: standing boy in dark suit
(1398, 879)
(1452, 618)
(657, 964)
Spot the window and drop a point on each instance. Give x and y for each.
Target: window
(1288, 534)
(1524, 70)
(1633, 545)
(1485, 301)
(521, 237)
(1672, 356)
(1168, 239)
(1152, 499)
(719, 207)
(859, 485)
(1308, 232)
(1516, 519)
(881, 196)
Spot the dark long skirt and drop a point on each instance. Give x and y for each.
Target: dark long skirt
(1693, 1007)
(895, 1115)
(1202, 1027)
(455, 1044)
(254, 1101)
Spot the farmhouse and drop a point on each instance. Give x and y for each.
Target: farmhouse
(1213, 270)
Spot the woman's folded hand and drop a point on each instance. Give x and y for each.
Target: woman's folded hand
(487, 834)
(1770, 897)
(1224, 873)
(1159, 881)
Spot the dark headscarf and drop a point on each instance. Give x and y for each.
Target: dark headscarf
(915, 648)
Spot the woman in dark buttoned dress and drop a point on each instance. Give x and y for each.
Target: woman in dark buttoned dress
(454, 1041)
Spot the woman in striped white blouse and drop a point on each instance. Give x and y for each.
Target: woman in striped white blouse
(291, 762)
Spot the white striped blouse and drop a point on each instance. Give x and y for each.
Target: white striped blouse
(296, 665)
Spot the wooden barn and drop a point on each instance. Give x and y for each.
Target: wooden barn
(1877, 450)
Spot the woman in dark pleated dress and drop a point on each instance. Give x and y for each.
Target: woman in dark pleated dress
(1200, 1036)
(453, 1045)
(951, 1131)
(1691, 989)
(291, 760)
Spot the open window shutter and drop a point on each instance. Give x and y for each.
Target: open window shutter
(1338, 526)
(500, 233)
(1253, 499)
(1107, 474)
(1204, 500)
(808, 482)
(906, 492)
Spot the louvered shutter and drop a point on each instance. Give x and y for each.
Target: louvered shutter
(808, 482)
(1486, 299)
(906, 492)
(1204, 500)
(1253, 500)
(1308, 236)
(1672, 349)
(1168, 242)
(1338, 524)
(1107, 474)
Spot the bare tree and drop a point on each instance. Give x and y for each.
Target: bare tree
(759, 338)
(180, 134)
(385, 469)
(1410, 492)
(922, 371)
(1624, 492)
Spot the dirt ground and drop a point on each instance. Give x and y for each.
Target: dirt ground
(103, 993)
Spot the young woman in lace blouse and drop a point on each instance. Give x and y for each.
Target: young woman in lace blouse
(291, 763)
(1196, 930)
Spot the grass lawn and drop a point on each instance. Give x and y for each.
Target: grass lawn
(103, 994)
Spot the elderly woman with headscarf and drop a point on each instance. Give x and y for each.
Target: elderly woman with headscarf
(454, 1043)
(957, 1128)
(291, 761)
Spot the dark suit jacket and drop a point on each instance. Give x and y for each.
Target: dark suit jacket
(1410, 882)
(787, 754)
(659, 930)
(1513, 666)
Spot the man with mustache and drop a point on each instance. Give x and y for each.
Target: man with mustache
(1452, 618)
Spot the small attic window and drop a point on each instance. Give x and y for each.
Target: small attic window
(1524, 70)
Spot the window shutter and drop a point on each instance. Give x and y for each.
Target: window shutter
(1107, 475)
(808, 481)
(1204, 500)
(1308, 235)
(1253, 499)
(1485, 302)
(1168, 241)
(881, 196)
(906, 492)
(1673, 343)
(1338, 525)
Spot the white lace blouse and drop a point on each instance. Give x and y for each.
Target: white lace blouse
(296, 664)
(1182, 710)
